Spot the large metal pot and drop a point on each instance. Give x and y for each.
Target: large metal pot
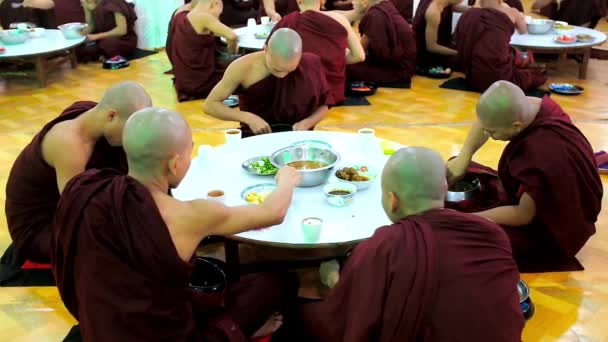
(316, 153)
(73, 30)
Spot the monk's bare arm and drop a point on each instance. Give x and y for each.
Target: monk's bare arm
(118, 31)
(457, 167)
(40, 4)
(66, 165)
(520, 21)
(312, 120)
(461, 8)
(364, 42)
(514, 215)
(351, 15)
(355, 53)
(433, 19)
(204, 21)
(271, 11)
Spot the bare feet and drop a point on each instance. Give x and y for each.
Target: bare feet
(272, 324)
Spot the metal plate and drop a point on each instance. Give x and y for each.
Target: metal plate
(566, 88)
(232, 101)
(523, 290)
(246, 166)
(259, 188)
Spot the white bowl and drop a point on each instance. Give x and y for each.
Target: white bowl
(362, 185)
(36, 32)
(340, 200)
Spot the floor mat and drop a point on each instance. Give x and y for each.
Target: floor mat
(459, 83)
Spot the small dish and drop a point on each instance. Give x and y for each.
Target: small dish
(256, 194)
(464, 190)
(340, 194)
(565, 39)
(566, 89)
(36, 32)
(584, 38)
(261, 35)
(358, 89)
(524, 291)
(232, 101)
(259, 166)
(345, 173)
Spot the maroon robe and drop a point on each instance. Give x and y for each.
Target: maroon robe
(405, 8)
(444, 36)
(577, 12)
(290, 99)
(193, 58)
(483, 37)
(104, 22)
(326, 38)
(282, 7)
(437, 276)
(32, 193)
(9, 15)
(68, 11)
(512, 3)
(107, 222)
(553, 162)
(391, 55)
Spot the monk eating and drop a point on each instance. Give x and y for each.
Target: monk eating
(111, 26)
(276, 87)
(122, 247)
(192, 49)
(390, 43)
(276, 9)
(580, 13)
(552, 191)
(86, 135)
(433, 27)
(65, 11)
(435, 274)
(483, 37)
(327, 35)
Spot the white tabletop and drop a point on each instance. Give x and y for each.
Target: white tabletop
(247, 39)
(546, 41)
(51, 41)
(220, 168)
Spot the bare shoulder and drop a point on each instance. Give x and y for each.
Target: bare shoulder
(61, 139)
(339, 17)
(432, 12)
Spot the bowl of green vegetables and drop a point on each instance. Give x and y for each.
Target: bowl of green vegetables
(259, 166)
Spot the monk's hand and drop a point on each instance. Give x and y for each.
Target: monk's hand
(329, 272)
(288, 176)
(258, 125)
(92, 37)
(88, 5)
(456, 169)
(301, 126)
(274, 16)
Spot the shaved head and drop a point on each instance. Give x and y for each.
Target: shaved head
(413, 180)
(503, 104)
(152, 138)
(125, 98)
(286, 44)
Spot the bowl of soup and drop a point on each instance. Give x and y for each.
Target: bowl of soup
(339, 194)
(315, 163)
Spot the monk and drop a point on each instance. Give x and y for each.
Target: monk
(277, 86)
(65, 11)
(435, 274)
(277, 9)
(122, 247)
(17, 11)
(327, 35)
(511, 3)
(112, 26)
(192, 49)
(550, 184)
(390, 43)
(86, 135)
(575, 12)
(433, 27)
(483, 37)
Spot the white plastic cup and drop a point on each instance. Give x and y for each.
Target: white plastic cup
(232, 135)
(216, 196)
(264, 20)
(311, 229)
(251, 24)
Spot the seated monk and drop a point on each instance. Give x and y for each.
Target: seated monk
(575, 12)
(551, 192)
(65, 11)
(277, 86)
(86, 135)
(192, 49)
(390, 43)
(277, 9)
(327, 35)
(111, 26)
(483, 37)
(426, 277)
(433, 27)
(511, 3)
(122, 247)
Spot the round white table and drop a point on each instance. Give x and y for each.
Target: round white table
(221, 169)
(39, 50)
(247, 39)
(545, 44)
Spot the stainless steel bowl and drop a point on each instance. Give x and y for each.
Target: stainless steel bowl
(523, 290)
(540, 26)
(454, 196)
(316, 153)
(73, 30)
(14, 37)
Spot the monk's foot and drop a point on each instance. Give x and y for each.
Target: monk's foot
(272, 324)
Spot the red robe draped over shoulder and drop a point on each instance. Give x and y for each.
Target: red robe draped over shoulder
(119, 273)
(32, 193)
(405, 8)
(68, 11)
(444, 35)
(290, 99)
(483, 38)
(326, 38)
(104, 21)
(193, 58)
(577, 12)
(282, 7)
(437, 276)
(392, 47)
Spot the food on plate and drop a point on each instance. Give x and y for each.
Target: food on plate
(263, 167)
(352, 174)
(2, 50)
(307, 165)
(584, 37)
(559, 26)
(565, 39)
(340, 192)
(255, 197)
(362, 89)
(262, 35)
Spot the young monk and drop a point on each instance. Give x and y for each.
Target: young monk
(390, 43)
(327, 35)
(433, 27)
(122, 247)
(192, 49)
(575, 12)
(65, 11)
(433, 275)
(277, 9)
(280, 85)
(86, 135)
(112, 26)
(552, 189)
(483, 37)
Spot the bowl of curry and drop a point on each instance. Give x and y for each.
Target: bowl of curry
(314, 162)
